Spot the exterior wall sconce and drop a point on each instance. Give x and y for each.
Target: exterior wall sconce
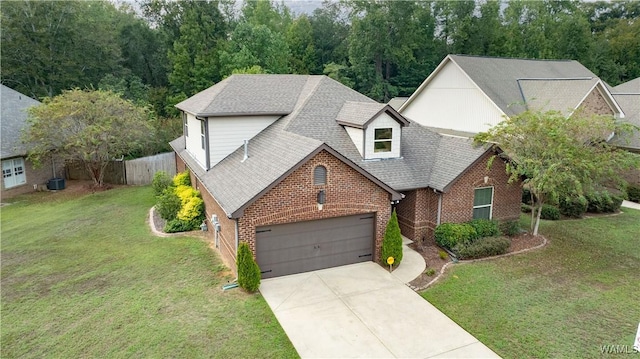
(321, 198)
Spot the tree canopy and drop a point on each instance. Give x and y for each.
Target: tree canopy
(380, 48)
(92, 127)
(559, 156)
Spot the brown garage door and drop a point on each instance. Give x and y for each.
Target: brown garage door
(305, 246)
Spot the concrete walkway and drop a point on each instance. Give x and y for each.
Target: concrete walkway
(363, 311)
(412, 264)
(630, 204)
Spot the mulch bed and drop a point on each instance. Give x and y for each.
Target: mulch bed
(431, 254)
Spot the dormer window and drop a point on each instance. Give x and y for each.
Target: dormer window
(382, 139)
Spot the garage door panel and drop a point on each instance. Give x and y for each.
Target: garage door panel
(305, 246)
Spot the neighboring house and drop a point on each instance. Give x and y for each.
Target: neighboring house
(627, 95)
(18, 174)
(306, 171)
(466, 95)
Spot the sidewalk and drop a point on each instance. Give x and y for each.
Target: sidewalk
(629, 204)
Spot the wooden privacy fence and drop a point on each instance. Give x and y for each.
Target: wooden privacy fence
(141, 170)
(133, 172)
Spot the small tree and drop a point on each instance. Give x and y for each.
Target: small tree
(248, 270)
(392, 242)
(92, 127)
(560, 156)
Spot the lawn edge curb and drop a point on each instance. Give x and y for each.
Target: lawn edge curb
(446, 265)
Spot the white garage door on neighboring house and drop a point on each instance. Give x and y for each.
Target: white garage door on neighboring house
(311, 245)
(13, 172)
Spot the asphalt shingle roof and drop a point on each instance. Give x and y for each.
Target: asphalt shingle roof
(311, 124)
(13, 120)
(357, 114)
(497, 77)
(562, 95)
(627, 95)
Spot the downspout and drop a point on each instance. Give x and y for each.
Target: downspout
(237, 241)
(439, 214)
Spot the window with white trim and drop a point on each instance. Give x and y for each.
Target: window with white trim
(382, 139)
(185, 124)
(483, 203)
(13, 172)
(202, 134)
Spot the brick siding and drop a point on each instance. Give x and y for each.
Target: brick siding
(457, 203)
(417, 214)
(295, 199)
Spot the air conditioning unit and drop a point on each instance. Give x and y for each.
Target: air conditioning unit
(55, 184)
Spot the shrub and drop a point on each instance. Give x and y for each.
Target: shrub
(573, 207)
(483, 247)
(430, 272)
(248, 270)
(168, 204)
(449, 234)
(633, 192)
(525, 208)
(443, 255)
(550, 212)
(192, 212)
(485, 227)
(510, 228)
(603, 202)
(182, 179)
(161, 181)
(176, 225)
(392, 241)
(186, 193)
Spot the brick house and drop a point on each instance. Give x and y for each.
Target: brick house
(19, 176)
(306, 171)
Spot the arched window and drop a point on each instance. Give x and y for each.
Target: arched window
(320, 175)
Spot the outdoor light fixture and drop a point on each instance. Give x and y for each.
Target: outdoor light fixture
(321, 198)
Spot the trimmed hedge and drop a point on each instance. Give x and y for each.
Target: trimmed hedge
(550, 212)
(603, 202)
(573, 207)
(525, 208)
(248, 270)
(485, 227)
(182, 179)
(633, 192)
(510, 228)
(449, 234)
(483, 247)
(168, 204)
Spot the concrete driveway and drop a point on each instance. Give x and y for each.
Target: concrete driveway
(362, 311)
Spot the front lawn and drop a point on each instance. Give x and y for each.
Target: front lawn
(567, 300)
(83, 277)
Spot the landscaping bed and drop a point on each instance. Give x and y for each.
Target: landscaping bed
(431, 254)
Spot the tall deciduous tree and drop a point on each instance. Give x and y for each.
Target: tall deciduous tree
(560, 156)
(92, 127)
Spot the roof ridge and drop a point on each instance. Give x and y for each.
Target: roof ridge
(589, 78)
(512, 58)
(301, 102)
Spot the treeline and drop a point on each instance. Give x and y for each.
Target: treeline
(170, 50)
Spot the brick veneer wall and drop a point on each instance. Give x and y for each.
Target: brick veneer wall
(417, 214)
(35, 176)
(294, 199)
(457, 203)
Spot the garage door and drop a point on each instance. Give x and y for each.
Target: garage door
(305, 246)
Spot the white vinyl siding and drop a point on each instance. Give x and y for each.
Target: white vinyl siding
(383, 121)
(483, 203)
(226, 134)
(452, 101)
(357, 136)
(13, 172)
(193, 143)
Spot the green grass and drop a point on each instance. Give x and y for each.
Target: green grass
(563, 301)
(83, 277)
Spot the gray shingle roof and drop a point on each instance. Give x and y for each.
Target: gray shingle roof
(247, 94)
(497, 77)
(13, 120)
(396, 102)
(556, 94)
(311, 125)
(627, 95)
(357, 114)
